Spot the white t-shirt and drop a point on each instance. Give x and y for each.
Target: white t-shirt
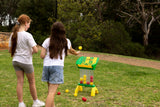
(54, 62)
(23, 52)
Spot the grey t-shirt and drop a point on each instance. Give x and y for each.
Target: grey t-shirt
(23, 52)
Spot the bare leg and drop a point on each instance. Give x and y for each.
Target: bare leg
(51, 93)
(32, 85)
(20, 80)
(48, 86)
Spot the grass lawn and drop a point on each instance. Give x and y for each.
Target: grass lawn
(119, 85)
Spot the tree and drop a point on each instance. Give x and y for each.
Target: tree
(81, 20)
(40, 12)
(144, 12)
(109, 9)
(7, 12)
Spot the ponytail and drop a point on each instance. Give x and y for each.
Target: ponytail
(14, 39)
(22, 19)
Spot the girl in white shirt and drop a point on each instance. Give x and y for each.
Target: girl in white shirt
(53, 52)
(21, 47)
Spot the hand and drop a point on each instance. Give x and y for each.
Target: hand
(78, 52)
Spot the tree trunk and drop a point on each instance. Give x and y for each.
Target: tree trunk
(145, 39)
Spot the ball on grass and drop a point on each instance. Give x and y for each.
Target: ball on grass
(58, 93)
(84, 99)
(66, 90)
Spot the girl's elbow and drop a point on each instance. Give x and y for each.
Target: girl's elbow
(42, 56)
(36, 51)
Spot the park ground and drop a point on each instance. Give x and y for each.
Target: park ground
(131, 86)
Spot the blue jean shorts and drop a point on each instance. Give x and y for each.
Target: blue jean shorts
(53, 74)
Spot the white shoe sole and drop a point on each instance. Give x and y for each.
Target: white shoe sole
(38, 106)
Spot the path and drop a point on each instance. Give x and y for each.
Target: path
(126, 60)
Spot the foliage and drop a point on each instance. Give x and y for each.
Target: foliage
(110, 8)
(152, 51)
(83, 33)
(40, 12)
(154, 35)
(80, 22)
(4, 28)
(114, 37)
(134, 49)
(84, 29)
(7, 13)
(78, 9)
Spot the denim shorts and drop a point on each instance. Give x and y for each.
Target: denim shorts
(27, 68)
(53, 74)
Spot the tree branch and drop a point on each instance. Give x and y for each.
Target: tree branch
(149, 3)
(131, 16)
(157, 17)
(150, 23)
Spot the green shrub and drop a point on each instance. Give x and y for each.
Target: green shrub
(39, 37)
(134, 49)
(114, 37)
(152, 50)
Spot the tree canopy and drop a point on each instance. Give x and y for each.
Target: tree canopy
(40, 12)
(144, 12)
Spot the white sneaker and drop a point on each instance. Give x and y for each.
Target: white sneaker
(21, 105)
(38, 103)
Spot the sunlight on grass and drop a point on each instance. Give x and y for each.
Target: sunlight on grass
(119, 85)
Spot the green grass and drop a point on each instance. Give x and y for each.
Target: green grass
(119, 85)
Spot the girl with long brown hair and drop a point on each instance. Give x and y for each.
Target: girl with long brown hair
(53, 52)
(21, 47)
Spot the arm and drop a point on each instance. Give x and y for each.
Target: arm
(73, 51)
(9, 49)
(43, 53)
(35, 49)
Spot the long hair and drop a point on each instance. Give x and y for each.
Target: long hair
(58, 40)
(22, 19)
